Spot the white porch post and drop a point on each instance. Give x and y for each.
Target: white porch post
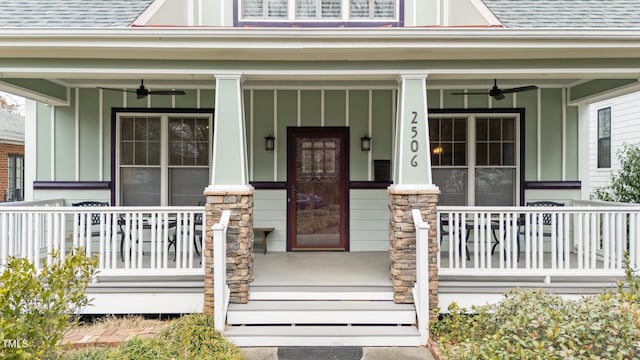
(230, 190)
(412, 189)
(583, 151)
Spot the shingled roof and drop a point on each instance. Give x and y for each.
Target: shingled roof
(566, 13)
(11, 127)
(70, 13)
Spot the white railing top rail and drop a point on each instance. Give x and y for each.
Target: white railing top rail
(33, 203)
(601, 203)
(103, 209)
(536, 209)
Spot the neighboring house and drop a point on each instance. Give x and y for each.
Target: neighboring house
(614, 123)
(11, 156)
(323, 123)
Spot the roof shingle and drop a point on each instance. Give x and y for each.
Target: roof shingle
(566, 13)
(70, 13)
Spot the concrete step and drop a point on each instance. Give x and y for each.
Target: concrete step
(304, 335)
(321, 293)
(320, 312)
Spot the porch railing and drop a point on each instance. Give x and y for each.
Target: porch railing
(575, 240)
(125, 239)
(421, 288)
(221, 289)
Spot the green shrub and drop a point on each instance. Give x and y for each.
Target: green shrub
(190, 337)
(537, 325)
(37, 307)
(625, 183)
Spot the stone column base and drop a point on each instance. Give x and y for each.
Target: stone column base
(239, 243)
(402, 247)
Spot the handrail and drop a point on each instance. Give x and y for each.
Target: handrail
(421, 288)
(221, 289)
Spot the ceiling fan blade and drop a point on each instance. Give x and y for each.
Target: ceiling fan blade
(470, 93)
(166, 92)
(120, 90)
(519, 89)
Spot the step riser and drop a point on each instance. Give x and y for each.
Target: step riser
(310, 296)
(325, 341)
(320, 317)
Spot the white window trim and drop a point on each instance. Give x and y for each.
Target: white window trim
(164, 150)
(597, 133)
(291, 16)
(471, 152)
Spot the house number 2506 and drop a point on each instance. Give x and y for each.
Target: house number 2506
(414, 141)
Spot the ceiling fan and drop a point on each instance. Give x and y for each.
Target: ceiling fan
(497, 93)
(142, 92)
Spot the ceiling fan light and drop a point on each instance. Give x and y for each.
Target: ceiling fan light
(499, 96)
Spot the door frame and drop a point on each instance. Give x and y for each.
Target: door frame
(292, 132)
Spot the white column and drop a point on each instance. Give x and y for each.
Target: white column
(30, 148)
(583, 150)
(229, 170)
(412, 162)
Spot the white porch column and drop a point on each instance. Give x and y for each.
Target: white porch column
(583, 151)
(412, 189)
(229, 167)
(412, 165)
(229, 190)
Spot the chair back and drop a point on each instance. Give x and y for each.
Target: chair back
(95, 218)
(546, 217)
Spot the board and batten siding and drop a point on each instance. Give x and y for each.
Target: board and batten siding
(625, 128)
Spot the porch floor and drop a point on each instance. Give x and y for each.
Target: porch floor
(322, 269)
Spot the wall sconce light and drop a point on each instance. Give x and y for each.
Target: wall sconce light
(269, 142)
(365, 143)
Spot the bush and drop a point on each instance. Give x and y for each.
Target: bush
(190, 337)
(39, 306)
(625, 183)
(537, 325)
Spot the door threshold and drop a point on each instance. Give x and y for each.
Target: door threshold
(319, 249)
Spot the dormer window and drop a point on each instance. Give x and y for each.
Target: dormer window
(311, 12)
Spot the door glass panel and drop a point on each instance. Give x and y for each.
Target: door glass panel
(452, 184)
(495, 187)
(317, 198)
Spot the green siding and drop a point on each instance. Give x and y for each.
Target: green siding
(134, 102)
(382, 106)
(551, 136)
(594, 87)
(110, 99)
(287, 116)
(263, 126)
(89, 135)
(529, 101)
(41, 86)
(433, 98)
(478, 101)
(335, 108)
(207, 99)
(189, 101)
(453, 101)
(358, 127)
(43, 138)
(65, 150)
(572, 143)
(310, 106)
(161, 101)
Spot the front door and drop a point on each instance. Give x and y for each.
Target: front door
(317, 188)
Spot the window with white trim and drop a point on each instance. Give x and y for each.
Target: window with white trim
(15, 184)
(604, 138)
(318, 10)
(163, 159)
(474, 158)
